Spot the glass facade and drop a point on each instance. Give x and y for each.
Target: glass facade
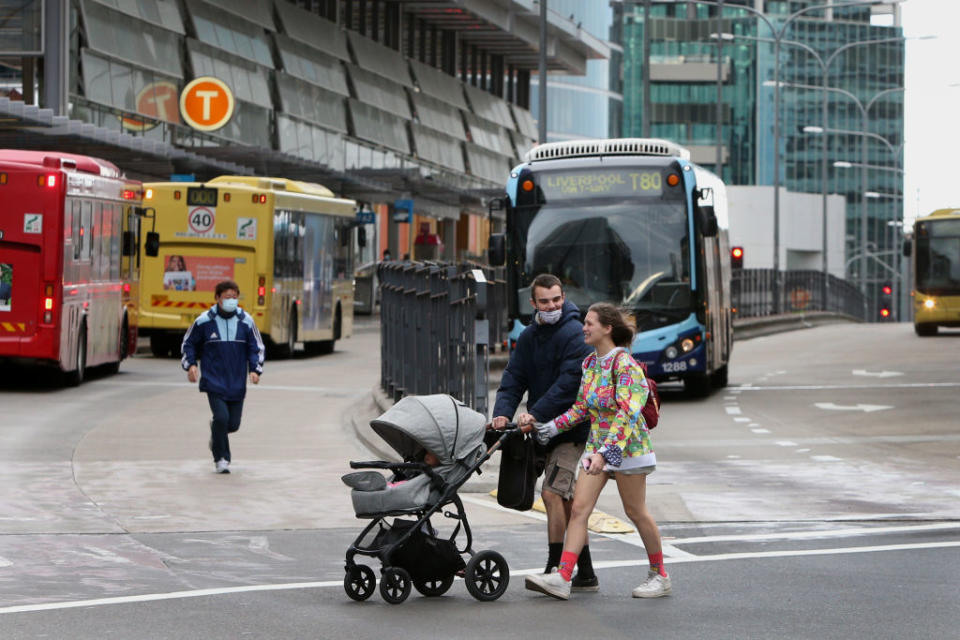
(588, 106)
(857, 121)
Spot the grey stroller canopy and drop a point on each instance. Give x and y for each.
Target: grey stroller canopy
(437, 423)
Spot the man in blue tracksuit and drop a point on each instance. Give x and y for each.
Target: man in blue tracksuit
(546, 364)
(226, 342)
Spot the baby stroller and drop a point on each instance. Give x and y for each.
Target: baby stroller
(410, 551)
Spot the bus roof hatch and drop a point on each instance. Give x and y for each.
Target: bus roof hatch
(615, 146)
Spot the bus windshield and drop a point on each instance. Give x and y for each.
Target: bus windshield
(616, 251)
(938, 257)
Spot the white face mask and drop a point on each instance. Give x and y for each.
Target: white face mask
(550, 317)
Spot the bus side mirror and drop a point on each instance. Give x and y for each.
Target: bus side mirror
(497, 253)
(907, 248)
(152, 246)
(361, 237)
(129, 242)
(708, 220)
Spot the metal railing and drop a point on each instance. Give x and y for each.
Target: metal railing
(434, 331)
(752, 292)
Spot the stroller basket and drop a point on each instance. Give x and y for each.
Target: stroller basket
(423, 555)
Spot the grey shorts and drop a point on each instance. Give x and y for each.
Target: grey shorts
(560, 469)
(635, 471)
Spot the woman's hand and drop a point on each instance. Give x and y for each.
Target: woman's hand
(597, 463)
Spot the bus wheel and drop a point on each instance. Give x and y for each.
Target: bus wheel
(292, 334)
(76, 376)
(697, 385)
(159, 346)
(925, 329)
(324, 347)
(719, 379)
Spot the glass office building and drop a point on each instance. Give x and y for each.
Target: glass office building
(708, 81)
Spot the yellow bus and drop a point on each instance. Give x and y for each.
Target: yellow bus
(287, 244)
(936, 271)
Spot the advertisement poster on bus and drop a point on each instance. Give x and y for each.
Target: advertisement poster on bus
(196, 273)
(6, 286)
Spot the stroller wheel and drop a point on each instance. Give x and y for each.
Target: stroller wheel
(433, 587)
(359, 582)
(487, 576)
(395, 585)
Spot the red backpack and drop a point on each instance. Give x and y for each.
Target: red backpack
(651, 409)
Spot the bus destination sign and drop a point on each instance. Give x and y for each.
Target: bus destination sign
(563, 185)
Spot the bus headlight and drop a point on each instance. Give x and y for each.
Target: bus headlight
(687, 345)
(670, 352)
(929, 303)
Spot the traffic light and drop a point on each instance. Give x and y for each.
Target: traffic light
(887, 290)
(885, 300)
(884, 312)
(736, 257)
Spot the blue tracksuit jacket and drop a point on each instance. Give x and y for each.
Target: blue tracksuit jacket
(227, 349)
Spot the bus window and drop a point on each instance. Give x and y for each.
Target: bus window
(86, 230)
(77, 236)
(116, 233)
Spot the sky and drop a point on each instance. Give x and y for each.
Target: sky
(932, 107)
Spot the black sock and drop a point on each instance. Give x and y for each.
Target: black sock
(584, 564)
(553, 555)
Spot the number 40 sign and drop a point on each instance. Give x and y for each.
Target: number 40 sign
(201, 220)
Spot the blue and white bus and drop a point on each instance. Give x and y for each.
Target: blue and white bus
(614, 219)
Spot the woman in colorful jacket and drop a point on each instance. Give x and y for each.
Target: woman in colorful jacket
(612, 392)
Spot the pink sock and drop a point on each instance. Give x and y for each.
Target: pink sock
(656, 562)
(568, 560)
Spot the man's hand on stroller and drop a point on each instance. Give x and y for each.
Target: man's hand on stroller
(526, 422)
(499, 423)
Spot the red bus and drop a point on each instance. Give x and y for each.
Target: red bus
(68, 266)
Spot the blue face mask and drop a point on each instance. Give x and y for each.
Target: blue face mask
(229, 304)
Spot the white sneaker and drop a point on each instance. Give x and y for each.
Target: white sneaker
(655, 586)
(223, 466)
(551, 584)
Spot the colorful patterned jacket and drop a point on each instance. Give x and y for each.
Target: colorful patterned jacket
(612, 391)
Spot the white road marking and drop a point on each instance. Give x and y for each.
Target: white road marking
(734, 456)
(876, 374)
(786, 443)
(826, 459)
(4, 562)
(867, 408)
(754, 424)
(819, 534)
(817, 387)
(330, 391)
(606, 564)
(801, 450)
(760, 430)
(732, 411)
(741, 419)
(729, 397)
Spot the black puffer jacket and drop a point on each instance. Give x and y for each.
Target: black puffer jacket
(546, 363)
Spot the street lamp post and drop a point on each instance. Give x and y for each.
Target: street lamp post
(824, 69)
(777, 38)
(864, 121)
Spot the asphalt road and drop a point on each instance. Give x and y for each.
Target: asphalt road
(816, 497)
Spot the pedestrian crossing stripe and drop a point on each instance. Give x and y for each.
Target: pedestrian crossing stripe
(14, 327)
